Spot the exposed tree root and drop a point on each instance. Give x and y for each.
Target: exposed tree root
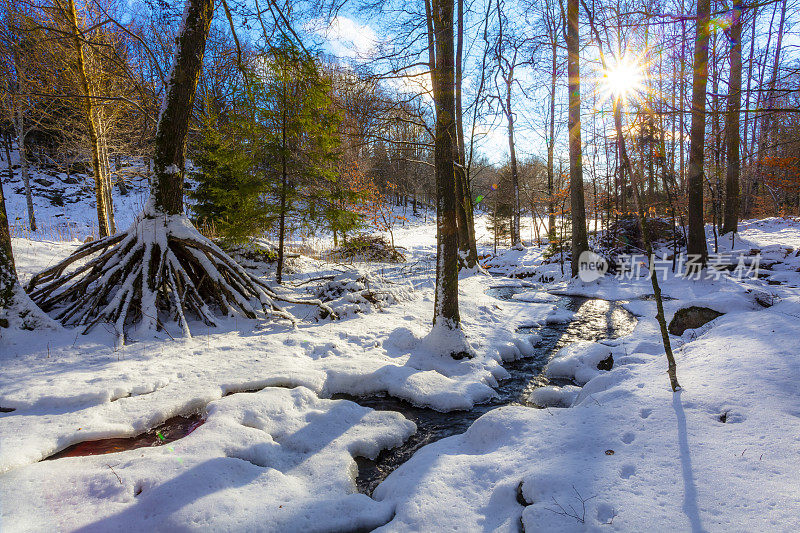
(161, 268)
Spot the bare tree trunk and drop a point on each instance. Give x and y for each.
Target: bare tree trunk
(23, 163)
(697, 237)
(284, 184)
(19, 126)
(660, 318)
(732, 127)
(106, 165)
(7, 147)
(99, 176)
(462, 218)
(446, 305)
(466, 219)
(173, 125)
(681, 117)
(747, 156)
(551, 144)
(715, 187)
(577, 208)
(8, 274)
(516, 238)
(460, 148)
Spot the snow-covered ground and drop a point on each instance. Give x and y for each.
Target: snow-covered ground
(64, 206)
(629, 455)
(723, 454)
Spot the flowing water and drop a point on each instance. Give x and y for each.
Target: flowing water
(594, 320)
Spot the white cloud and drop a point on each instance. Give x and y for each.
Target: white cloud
(417, 81)
(345, 37)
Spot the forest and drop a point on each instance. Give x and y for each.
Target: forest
(355, 265)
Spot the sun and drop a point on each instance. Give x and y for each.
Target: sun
(624, 78)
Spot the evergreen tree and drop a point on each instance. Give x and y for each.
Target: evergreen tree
(229, 195)
(341, 211)
(300, 148)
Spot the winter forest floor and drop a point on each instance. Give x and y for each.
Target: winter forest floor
(586, 449)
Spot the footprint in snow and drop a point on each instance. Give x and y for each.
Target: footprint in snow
(627, 471)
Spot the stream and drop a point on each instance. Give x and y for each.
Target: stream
(594, 320)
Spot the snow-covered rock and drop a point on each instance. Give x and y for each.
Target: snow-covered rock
(578, 362)
(554, 396)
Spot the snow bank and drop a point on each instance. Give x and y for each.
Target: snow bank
(634, 455)
(630, 455)
(62, 381)
(554, 396)
(280, 459)
(578, 362)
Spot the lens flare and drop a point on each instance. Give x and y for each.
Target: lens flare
(623, 79)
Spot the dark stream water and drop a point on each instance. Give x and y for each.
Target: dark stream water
(594, 320)
(170, 430)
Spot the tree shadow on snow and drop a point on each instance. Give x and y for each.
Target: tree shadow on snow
(221, 491)
(689, 507)
(155, 507)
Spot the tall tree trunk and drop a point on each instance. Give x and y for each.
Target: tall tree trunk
(715, 186)
(167, 183)
(697, 236)
(101, 195)
(516, 239)
(466, 220)
(284, 192)
(625, 165)
(446, 305)
(551, 145)
(732, 127)
(681, 116)
(577, 208)
(460, 149)
(23, 163)
(8, 274)
(19, 126)
(747, 156)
